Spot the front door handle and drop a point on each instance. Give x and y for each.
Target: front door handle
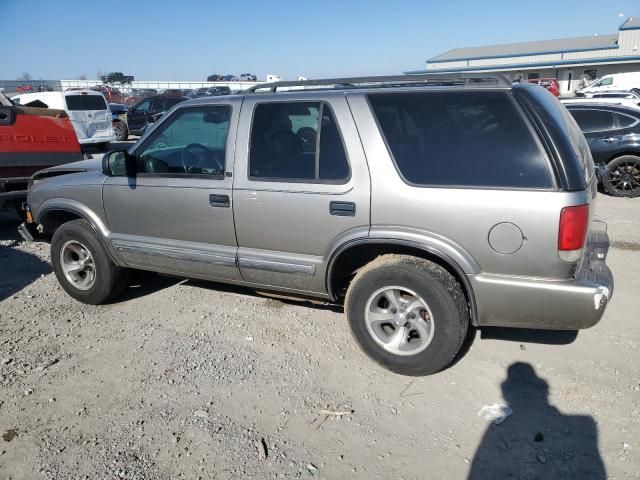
(610, 139)
(342, 209)
(221, 201)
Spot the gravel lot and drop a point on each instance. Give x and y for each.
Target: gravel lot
(185, 379)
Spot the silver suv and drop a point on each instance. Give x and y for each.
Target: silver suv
(424, 204)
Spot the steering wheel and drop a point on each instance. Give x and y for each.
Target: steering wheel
(202, 154)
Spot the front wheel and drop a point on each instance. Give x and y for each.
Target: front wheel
(120, 131)
(408, 314)
(622, 177)
(83, 267)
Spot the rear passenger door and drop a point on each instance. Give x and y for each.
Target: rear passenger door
(601, 131)
(300, 189)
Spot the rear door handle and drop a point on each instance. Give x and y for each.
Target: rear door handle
(221, 201)
(342, 209)
(610, 139)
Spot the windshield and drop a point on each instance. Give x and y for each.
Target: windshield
(4, 101)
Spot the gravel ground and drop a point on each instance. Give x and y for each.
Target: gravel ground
(184, 379)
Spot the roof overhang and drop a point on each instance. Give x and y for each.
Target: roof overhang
(531, 66)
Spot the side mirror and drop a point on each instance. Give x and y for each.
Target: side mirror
(119, 163)
(7, 117)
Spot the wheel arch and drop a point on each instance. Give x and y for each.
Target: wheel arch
(624, 153)
(353, 255)
(53, 213)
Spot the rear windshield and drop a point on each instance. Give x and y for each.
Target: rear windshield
(86, 102)
(460, 139)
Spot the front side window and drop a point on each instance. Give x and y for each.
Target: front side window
(143, 107)
(460, 139)
(191, 142)
(593, 120)
(297, 141)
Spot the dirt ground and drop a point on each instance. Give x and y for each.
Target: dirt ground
(184, 379)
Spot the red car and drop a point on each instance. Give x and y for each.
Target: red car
(24, 89)
(31, 139)
(550, 84)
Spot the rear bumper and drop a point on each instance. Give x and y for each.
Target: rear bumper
(12, 189)
(570, 304)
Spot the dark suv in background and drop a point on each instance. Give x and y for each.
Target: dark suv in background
(143, 112)
(613, 134)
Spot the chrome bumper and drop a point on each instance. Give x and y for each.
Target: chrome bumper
(570, 304)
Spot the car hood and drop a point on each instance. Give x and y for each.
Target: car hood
(91, 164)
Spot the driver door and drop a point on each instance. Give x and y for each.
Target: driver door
(176, 214)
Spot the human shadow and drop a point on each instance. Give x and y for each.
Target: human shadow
(18, 269)
(537, 441)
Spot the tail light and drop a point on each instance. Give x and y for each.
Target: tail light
(574, 223)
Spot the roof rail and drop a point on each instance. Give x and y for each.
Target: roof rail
(435, 79)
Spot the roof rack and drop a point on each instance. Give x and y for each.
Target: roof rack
(434, 79)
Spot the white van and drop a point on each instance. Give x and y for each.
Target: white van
(617, 81)
(87, 110)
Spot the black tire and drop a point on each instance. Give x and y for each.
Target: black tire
(622, 177)
(121, 132)
(110, 280)
(437, 287)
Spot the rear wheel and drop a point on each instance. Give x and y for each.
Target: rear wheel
(82, 265)
(408, 314)
(622, 177)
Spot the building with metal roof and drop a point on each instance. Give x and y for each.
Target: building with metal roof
(573, 61)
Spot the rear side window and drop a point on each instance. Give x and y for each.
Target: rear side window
(625, 120)
(591, 120)
(85, 102)
(454, 139)
(296, 141)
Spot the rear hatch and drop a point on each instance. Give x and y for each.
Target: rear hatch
(90, 116)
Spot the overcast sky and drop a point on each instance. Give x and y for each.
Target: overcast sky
(190, 39)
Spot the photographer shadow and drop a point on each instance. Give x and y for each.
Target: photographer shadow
(537, 441)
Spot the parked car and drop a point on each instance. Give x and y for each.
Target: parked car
(171, 92)
(209, 91)
(625, 102)
(116, 77)
(365, 196)
(613, 134)
(248, 77)
(24, 88)
(135, 95)
(215, 78)
(119, 121)
(230, 78)
(44, 88)
(31, 139)
(111, 94)
(550, 84)
(87, 110)
(142, 113)
(618, 81)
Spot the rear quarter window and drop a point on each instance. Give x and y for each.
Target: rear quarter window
(85, 102)
(461, 139)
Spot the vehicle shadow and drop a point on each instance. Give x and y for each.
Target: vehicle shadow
(537, 441)
(277, 298)
(19, 268)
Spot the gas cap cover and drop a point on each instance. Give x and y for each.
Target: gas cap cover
(506, 238)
